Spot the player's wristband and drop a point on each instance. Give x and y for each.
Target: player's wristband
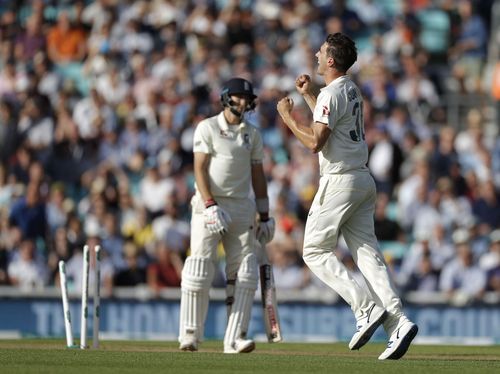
(264, 217)
(209, 203)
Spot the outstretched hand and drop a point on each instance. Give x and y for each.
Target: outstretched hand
(303, 84)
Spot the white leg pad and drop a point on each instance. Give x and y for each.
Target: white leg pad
(244, 292)
(197, 276)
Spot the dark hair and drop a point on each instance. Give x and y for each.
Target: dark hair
(342, 49)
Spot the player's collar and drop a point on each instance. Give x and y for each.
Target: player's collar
(224, 126)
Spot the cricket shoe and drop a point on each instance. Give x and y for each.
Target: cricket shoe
(399, 341)
(241, 346)
(366, 325)
(189, 343)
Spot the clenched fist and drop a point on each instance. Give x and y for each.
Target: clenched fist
(303, 84)
(285, 106)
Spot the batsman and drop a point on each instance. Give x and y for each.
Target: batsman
(228, 169)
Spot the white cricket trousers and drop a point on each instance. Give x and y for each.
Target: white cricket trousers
(345, 203)
(239, 239)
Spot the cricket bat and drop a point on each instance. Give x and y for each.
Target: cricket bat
(269, 303)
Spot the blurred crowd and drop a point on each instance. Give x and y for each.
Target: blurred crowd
(99, 100)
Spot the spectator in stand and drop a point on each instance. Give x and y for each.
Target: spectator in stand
(93, 116)
(113, 242)
(287, 223)
(416, 90)
(31, 41)
(133, 138)
(112, 87)
(423, 278)
(74, 265)
(155, 190)
(140, 230)
(490, 262)
(385, 161)
(98, 13)
(486, 207)
(165, 270)
(288, 269)
(71, 155)
(133, 273)
(10, 190)
(399, 123)
(49, 82)
(135, 39)
(412, 193)
(57, 206)
(395, 39)
(472, 148)
(386, 228)
(444, 155)
(165, 132)
(442, 245)
(170, 227)
(10, 79)
(372, 13)
(143, 83)
(74, 231)
(470, 49)
(427, 211)
(28, 214)
(456, 211)
(349, 18)
(379, 86)
(493, 280)
(462, 279)
(65, 43)
(59, 249)
(433, 244)
(421, 250)
(27, 270)
(459, 182)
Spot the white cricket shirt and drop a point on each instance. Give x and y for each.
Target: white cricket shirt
(340, 106)
(233, 150)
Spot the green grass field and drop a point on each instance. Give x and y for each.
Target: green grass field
(51, 356)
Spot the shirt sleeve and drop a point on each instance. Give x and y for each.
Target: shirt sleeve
(202, 141)
(257, 149)
(328, 109)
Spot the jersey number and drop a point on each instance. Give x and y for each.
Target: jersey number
(358, 133)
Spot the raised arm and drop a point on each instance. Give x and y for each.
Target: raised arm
(312, 137)
(304, 87)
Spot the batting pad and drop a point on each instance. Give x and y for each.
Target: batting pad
(197, 276)
(244, 291)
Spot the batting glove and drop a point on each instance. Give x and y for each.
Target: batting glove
(217, 220)
(265, 230)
